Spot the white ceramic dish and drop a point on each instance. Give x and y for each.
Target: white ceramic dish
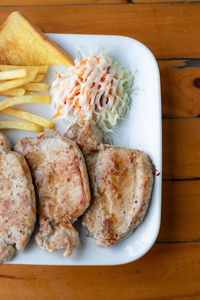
(141, 129)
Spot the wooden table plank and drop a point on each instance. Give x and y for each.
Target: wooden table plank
(180, 83)
(159, 1)
(168, 30)
(181, 144)
(57, 2)
(180, 211)
(168, 271)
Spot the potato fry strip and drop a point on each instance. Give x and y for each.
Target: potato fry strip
(41, 69)
(36, 87)
(13, 92)
(28, 116)
(13, 74)
(6, 85)
(21, 126)
(43, 99)
(39, 78)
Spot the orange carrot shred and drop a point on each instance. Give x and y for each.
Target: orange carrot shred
(58, 75)
(83, 62)
(58, 112)
(83, 89)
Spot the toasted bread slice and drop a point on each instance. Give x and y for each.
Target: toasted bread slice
(22, 43)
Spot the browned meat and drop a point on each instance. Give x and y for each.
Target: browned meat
(61, 180)
(88, 138)
(121, 185)
(17, 201)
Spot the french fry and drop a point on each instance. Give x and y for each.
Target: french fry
(6, 85)
(36, 87)
(21, 126)
(39, 78)
(13, 74)
(41, 69)
(42, 99)
(13, 92)
(24, 115)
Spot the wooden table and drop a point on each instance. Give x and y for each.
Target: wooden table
(171, 269)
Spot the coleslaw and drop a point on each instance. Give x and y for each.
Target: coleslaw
(96, 89)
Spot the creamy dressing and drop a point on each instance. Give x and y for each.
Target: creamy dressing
(89, 91)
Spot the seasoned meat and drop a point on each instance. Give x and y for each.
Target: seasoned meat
(61, 181)
(88, 138)
(17, 201)
(121, 184)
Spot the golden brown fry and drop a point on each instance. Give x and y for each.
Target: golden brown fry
(6, 85)
(43, 99)
(39, 78)
(42, 69)
(28, 116)
(13, 92)
(13, 74)
(36, 87)
(21, 126)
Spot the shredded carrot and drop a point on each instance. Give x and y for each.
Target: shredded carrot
(83, 62)
(83, 89)
(76, 91)
(89, 74)
(58, 112)
(58, 75)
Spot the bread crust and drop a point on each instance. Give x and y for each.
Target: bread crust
(13, 51)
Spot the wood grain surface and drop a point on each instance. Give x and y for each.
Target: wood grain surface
(168, 271)
(171, 269)
(168, 30)
(180, 82)
(180, 211)
(181, 144)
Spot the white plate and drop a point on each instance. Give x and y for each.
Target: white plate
(141, 129)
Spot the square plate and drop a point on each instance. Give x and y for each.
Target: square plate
(141, 129)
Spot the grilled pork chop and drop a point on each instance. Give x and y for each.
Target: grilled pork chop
(61, 181)
(121, 185)
(17, 201)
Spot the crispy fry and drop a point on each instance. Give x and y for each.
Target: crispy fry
(6, 85)
(43, 99)
(13, 92)
(36, 87)
(39, 78)
(42, 69)
(21, 126)
(28, 116)
(13, 74)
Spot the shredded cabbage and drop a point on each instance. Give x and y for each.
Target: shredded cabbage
(103, 92)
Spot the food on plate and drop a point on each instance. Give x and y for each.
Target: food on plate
(61, 180)
(88, 137)
(13, 74)
(39, 78)
(13, 92)
(11, 84)
(121, 182)
(36, 87)
(17, 201)
(22, 43)
(41, 99)
(28, 116)
(96, 88)
(41, 69)
(21, 126)
(17, 88)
